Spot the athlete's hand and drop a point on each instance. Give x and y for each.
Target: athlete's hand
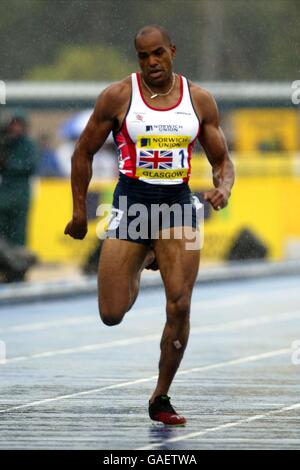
(217, 197)
(77, 228)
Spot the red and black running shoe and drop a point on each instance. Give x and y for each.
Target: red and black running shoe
(162, 410)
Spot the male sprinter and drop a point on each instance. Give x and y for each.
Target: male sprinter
(156, 116)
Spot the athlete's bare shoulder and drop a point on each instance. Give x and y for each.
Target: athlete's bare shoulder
(113, 98)
(203, 101)
(118, 91)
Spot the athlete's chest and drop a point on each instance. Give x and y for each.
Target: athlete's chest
(147, 122)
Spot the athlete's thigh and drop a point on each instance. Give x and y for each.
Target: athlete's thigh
(178, 260)
(119, 265)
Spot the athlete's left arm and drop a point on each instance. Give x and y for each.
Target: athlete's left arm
(212, 139)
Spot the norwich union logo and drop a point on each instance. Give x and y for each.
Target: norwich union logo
(163, 142)
(164, 127)
(145, 142)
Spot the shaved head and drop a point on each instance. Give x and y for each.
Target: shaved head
(155, 53)
(150, 29)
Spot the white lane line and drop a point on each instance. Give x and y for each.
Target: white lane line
(48, 324)
(253, 440)
(226, 326)
(86, 348)
(248, 322)
(241, 360)
(228, 301)
(233, 424)
(271, 404)
(233, 362)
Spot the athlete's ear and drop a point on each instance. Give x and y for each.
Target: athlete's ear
(173, 51)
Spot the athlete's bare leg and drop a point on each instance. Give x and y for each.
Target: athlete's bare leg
(179, 268)
(120, 266)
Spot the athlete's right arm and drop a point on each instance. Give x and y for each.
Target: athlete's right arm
(91, 140)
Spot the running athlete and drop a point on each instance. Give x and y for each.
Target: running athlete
(156, 116)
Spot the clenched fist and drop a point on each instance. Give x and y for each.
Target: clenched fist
(77, 228)
(217, 197)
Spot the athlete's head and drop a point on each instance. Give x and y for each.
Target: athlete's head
(155, 53)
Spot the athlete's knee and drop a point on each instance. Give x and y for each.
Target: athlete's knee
(111, 317)
(178, 307)
(110, 320)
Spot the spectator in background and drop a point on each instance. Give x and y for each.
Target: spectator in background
(105, 163)
(18, 162)
(48, 165)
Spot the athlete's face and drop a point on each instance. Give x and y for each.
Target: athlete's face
(155, 57)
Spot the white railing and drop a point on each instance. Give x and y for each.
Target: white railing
(236, 91)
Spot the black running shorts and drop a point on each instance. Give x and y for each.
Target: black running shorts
(140, 210)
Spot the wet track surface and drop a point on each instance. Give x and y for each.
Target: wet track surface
(71, 382)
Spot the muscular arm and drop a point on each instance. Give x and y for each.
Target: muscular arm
(92, 138)
(100, 124)
(213, 141)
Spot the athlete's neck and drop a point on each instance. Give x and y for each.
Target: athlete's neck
(162, 87)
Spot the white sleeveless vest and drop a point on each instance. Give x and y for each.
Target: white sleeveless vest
(155, 145)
